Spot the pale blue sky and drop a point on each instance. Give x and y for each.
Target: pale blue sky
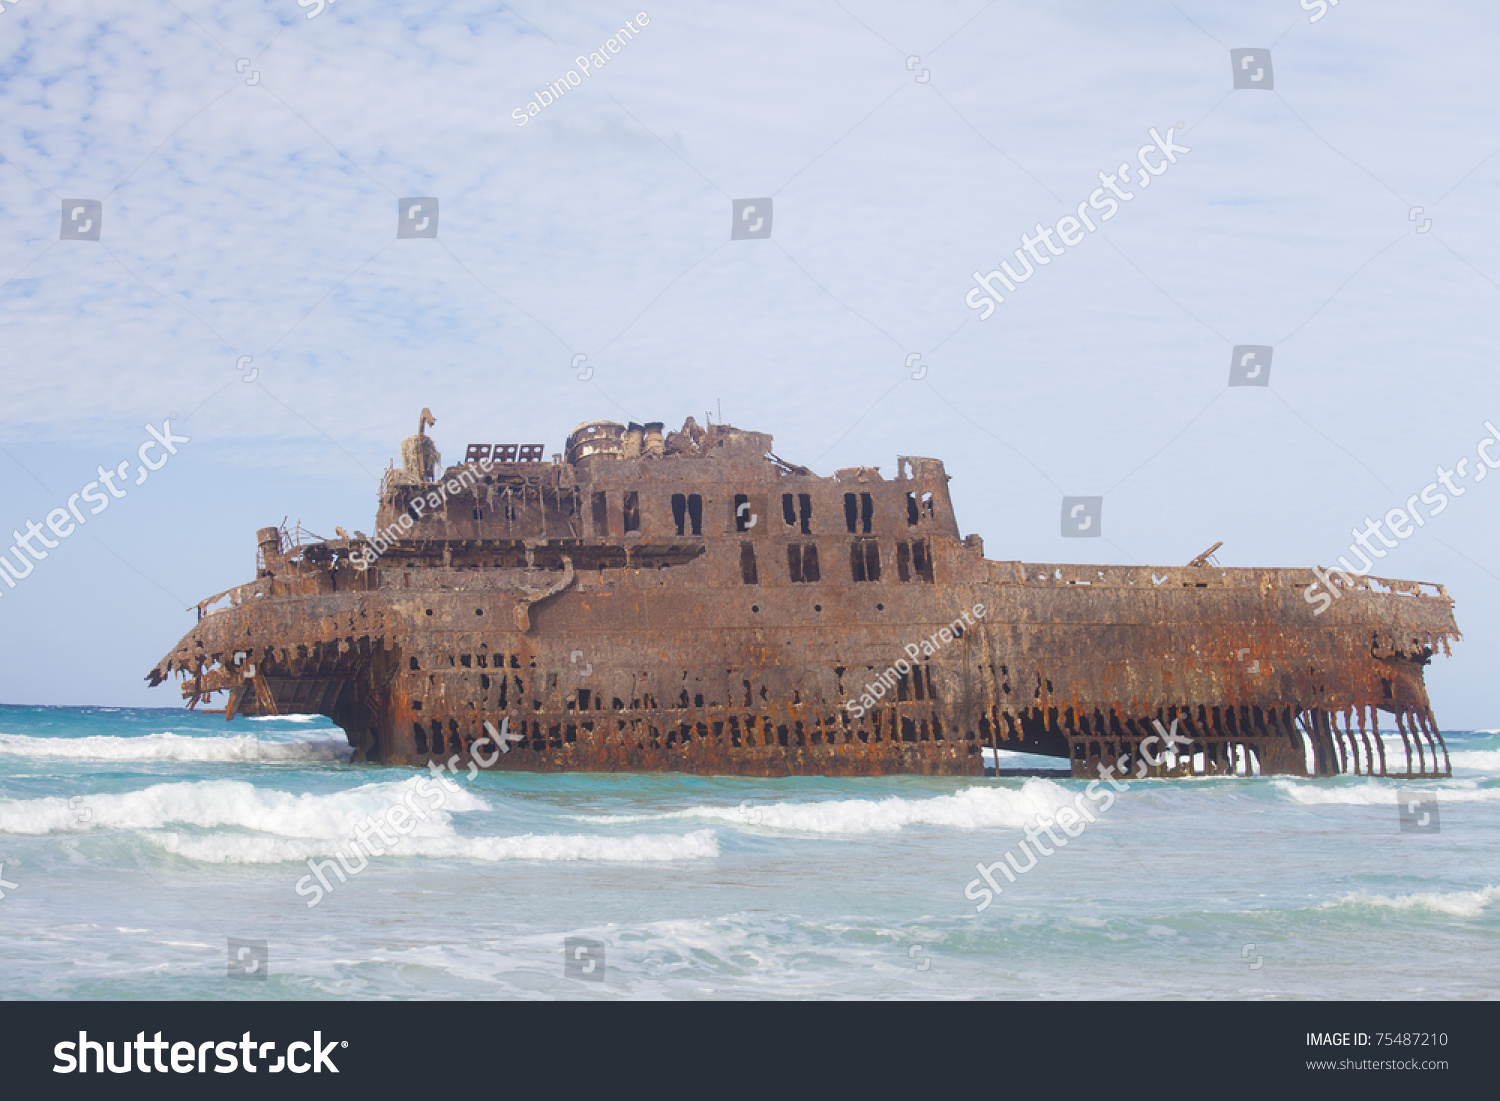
(259, 219)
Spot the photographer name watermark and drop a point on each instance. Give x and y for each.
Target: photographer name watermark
(586, 65)
(925, 648)
(385, 538)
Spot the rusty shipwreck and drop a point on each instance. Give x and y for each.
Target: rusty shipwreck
(689, 601)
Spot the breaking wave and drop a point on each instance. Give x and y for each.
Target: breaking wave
(256, 825)
(177, 747)
(220, 803)
(971, 808)
(1483, 760)
(1456, 903)
(641, 848)
(1376, 793)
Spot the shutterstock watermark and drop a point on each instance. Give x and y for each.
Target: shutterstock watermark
(1319, 8)
(1153, 159)
(63, 522)
(401, 817)
(583, 959)
(229, 1056)
(891, 676)
(1072, 820)
(1418, 812)
(1326, 589)
(316, 5)
(586, 65)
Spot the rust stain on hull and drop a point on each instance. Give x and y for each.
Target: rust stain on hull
(689, 602)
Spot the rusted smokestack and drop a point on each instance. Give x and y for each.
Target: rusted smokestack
(655, 446)
(631, 445)
(269, 542)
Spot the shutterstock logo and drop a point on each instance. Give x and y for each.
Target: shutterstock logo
(1250, 365)
(1418, 811)
(417, 217)
(248, 959)
(81, 218)
(1252, 69)
(186, 1057)
(583, 959)
(1081, 517)
(752, 220)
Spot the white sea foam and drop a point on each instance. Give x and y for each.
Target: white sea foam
(280, 826)
(971, 808)
(1456, 903)
(1482, 760)
(1379, 792)
(177, 747)
(220, 803)
(640, 848)
(1487, 760)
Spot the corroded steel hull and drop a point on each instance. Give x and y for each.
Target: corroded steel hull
(530, 605)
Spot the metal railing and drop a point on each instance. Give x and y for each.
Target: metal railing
(1035, 573)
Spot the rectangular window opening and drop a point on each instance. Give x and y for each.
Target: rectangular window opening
(921, 560)
(804, 512)
(866, 512)
(851, 512)
(914, 561)
(601, 513)
(802, 561)
(747, 564)
(632, 511)
(679, 512)
(912, 516)
(695, 512)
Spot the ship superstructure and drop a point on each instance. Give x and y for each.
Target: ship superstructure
(688, 601)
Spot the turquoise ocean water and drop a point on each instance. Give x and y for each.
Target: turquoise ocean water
(134, 843)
